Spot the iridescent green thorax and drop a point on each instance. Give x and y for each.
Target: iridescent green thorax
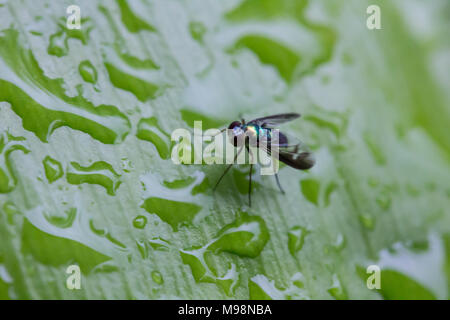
(257, 130)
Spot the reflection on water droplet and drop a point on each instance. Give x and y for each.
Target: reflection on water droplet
(64, 221)
(337, 290)
(9, 144)
(261, 288)
(157, 277)
(149, 130)
(296, 239)
(140, 222)
(104, 233)
(53, 169)
(100, 173)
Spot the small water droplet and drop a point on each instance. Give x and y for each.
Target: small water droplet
(87, 71)
(367, 221)
(157, 277)
(337, 290)
(296, 239)
(310, 189)
(140, 222)
(53, 169)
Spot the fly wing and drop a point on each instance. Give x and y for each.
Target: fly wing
(275, 120)
(289, 150)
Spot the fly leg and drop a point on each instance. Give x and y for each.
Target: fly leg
(278, 183)
(250, 178)
(227, 169)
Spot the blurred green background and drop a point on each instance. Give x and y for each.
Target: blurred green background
(85, 171)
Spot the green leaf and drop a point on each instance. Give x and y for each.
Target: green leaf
(92, 112)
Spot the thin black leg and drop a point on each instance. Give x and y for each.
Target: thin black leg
(227, 169)
(279, 184)
(250, 177)
(250, 186)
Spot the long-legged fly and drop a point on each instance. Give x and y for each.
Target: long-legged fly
(290, 151)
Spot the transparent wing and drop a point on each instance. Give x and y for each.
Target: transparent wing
(290, 151)
(275, 120)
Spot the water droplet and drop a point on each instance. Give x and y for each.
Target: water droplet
(340, 242)
(159, 244)
(104, 233)
(57, 251)
(246, 236)
(337, 290)
(197, 30)
(280, 49)
(99, 173)
(140, 222)
(87, 71)
(65, 221)
(310, 189)
(9, 144)
(139, 77)
(367, 221)
(149, 130)
(377, 153)
(414, 270)
(261, 288)
(197, 259)
(383, 199)
(58, 44)
(176, 207)
(296, 239)
(157, 277)
(131, 21)
(41, 113)
(53, 169)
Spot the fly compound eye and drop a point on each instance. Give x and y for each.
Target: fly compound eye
(234, 124)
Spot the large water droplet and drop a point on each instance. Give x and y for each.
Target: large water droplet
(99, 173)
(149, 130)
(9, 144)
(42, 103)
(53, 169)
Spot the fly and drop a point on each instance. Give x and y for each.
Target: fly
(290, 151)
